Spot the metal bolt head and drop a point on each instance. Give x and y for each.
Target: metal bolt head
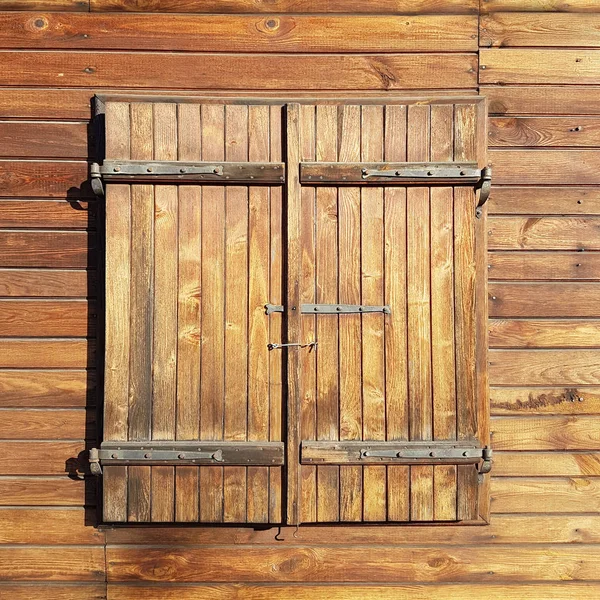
(182, 170)
(117, 169)
(147, 455)
(181, 456)
(149, 169)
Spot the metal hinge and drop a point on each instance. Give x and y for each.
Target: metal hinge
(331, 309)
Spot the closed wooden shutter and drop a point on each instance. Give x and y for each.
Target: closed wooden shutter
(295, 314)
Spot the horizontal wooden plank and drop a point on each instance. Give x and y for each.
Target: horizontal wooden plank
(546, 167)
(50, 179)
(544, 265)
(45, 424)
(45, 491)
(288, 6)
(545, 400)
(66, 249)
(239, 71)
(509, 65)
(544, 367)
(49, 526)
(69, 5)
(590, 6)
(540, 29)
(39, 139)
(544, 333)
(48, 283)
(454, 591)
(43, 458)
(40, 318)
(546, 464)
(571, 432)
(54, 591)
(503, 529)
(575, 132)
(240, 33)
(46, 104)
(84, 563)
(544, 233)
(46, 353)
(550, 495)
(544, 299)
(556, 100)
(333, 564)
(50, 214)
(544, 200)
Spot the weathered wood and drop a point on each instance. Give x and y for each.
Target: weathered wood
(546, 433)
(505, 29)
(542, 266)
(544, 299)
(567, 591)
(556, 495)
(39, 139)
(85, 563)
(544, 333)
(43, 491)
(240, 71)
(49, 214)
(556, 100)
(578, 132)
(53, 389)
(35, 424)
(539, 66)
(544, 367)
(41, 318)
(45, 526)
(47, 282)
(348, 564)
(55, 5)
(519, 401)
(237, 33)
(284, 6)
(550, 464)
(47, 353)
(54, 591)
(538, 5)
(544, 200)
(42, 458)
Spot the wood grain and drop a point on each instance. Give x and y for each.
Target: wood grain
(544, 200)
(575, 132)
(545, 400)
(43, 491)
(544, 367)
(46, 353)
(47, 282)
(66, 5)
(539, 66)
(49, 214)
(547, 464)
(543, 333)
(239, 71)
(542, 266)
(54, 591)
(41, 458)
(285, 6)
(39, 139)
(544, 299)
(237, 33)
(36, 424)
(505, 29)
(539, 5)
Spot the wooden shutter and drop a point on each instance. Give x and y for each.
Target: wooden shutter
(189, 269)
(295, 311)
(413, 377)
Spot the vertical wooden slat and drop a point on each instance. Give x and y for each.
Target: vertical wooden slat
(307, 294)
(117, 261)
(164, 355)
(213, 313)
(327, 326)
(275, 321)
(465, 148)
(258, 295)
(396, 360)
(419, 313)
(236, 312)
(442, 312)
(188, 312)
(373, 342)
(141, 310)
(294, 265)
(350, 325)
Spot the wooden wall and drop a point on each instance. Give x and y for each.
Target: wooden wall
(541, 72)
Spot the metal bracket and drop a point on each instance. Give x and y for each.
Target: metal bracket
(96, 180)
(484, 186)
(331, 309)
(310, 345)
(94, 459)
(486, 465)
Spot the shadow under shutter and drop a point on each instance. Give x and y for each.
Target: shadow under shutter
(295, 311)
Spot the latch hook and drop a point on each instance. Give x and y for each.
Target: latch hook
(484, 186)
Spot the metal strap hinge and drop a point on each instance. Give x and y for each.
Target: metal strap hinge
(331, 309)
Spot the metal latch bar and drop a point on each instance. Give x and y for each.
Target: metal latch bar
(446, 173)
(331, 309)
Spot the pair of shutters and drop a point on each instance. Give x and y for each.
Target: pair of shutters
(295, 315)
